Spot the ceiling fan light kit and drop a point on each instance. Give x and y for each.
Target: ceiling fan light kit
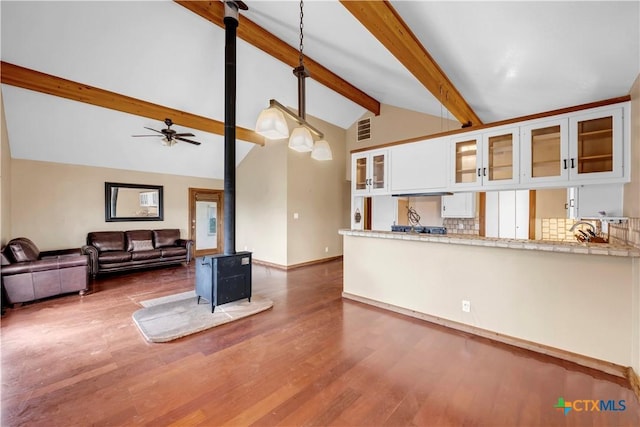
(272, 124)
(170, 136)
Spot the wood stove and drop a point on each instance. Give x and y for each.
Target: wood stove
(226, 277)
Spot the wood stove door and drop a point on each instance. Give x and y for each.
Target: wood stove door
(205, 216)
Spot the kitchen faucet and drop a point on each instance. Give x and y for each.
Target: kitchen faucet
(593, 229)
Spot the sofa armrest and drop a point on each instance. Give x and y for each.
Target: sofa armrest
(186, 243)
(92, 253)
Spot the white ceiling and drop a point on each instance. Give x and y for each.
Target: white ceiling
(507, 59)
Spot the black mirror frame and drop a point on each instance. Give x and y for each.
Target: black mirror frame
(108, 215)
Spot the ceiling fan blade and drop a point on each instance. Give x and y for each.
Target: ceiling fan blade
(154, 130)
(183, 134)
(186, 140)
(155, 136)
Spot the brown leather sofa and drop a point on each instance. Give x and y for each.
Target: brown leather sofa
(28, 274)
(111, 251)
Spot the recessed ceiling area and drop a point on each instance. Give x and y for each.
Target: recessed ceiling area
(507, 59)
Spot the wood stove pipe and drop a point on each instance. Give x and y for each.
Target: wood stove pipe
(231, 24)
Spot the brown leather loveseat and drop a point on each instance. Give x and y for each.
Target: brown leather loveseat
(111, 251)
(28, 274)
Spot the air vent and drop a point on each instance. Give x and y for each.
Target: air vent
(364, 129)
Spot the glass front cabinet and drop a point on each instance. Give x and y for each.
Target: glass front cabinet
(583, 147)
(596, 145)
(369, 173)
(545, 151)
(486, 159)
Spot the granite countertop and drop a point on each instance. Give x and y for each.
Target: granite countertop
(611, 249)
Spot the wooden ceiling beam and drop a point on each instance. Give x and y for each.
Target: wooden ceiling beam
(250, 32)
(381, 19)
(26, 78)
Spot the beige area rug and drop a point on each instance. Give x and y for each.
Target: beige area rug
(174, 316)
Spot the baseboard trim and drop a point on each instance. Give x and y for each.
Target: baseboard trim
(294, 266)
(589, 362)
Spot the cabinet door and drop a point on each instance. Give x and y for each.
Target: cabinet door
(360, 174)
(501, 160)
(466, 161)
(369, 173)
(596, 145)
(545, 151)
(459, 205)
(378, 177)
(419, 166)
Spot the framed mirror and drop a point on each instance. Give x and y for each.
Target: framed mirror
(132, 202)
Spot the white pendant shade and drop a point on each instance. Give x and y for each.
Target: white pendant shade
(321, 151)
(272, 125)
(301, 140)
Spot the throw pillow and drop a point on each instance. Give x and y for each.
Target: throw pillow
(18, 253)
(142, 245)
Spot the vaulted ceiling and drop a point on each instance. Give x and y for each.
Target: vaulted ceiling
(484, 61)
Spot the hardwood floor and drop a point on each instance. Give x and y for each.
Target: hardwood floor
(314, 359)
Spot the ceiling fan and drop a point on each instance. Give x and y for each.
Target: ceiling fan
(170, 136)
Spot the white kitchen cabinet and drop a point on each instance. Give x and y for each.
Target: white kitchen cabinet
(369, 172)
(485, 160)
(596, 145)
(545, 152)
(466, 161)
(589, 200)
(419, 167)
(459, 205)
(507, 214)
(579, 148)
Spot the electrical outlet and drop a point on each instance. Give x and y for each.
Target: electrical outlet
(466, 306)
(326, 249)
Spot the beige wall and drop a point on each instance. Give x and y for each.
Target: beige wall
(315, 192)
(632, 189)
(5, 179)
(396, 124)
(550, 203)
(56, 205)
(585, 304)
(273, 183)
(261, 203)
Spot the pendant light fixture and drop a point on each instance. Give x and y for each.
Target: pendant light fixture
(272, 123)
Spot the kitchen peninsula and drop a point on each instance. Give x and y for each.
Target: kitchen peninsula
(574, 301)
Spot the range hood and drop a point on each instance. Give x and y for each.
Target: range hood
(435, 193)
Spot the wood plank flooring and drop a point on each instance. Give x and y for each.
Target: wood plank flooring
(313, 360)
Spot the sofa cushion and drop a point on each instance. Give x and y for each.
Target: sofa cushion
(106, 240)
(175, 251)
(135, 237)
(166, 237)
(23, 250)
(141, 255)
(114, 257)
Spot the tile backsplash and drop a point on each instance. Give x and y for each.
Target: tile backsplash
(626, 233)
(462, 225)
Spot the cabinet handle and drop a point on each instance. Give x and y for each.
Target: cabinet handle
(573, 165)
(484, 171)
(566, 206)
(479, 172)
(564, 162)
